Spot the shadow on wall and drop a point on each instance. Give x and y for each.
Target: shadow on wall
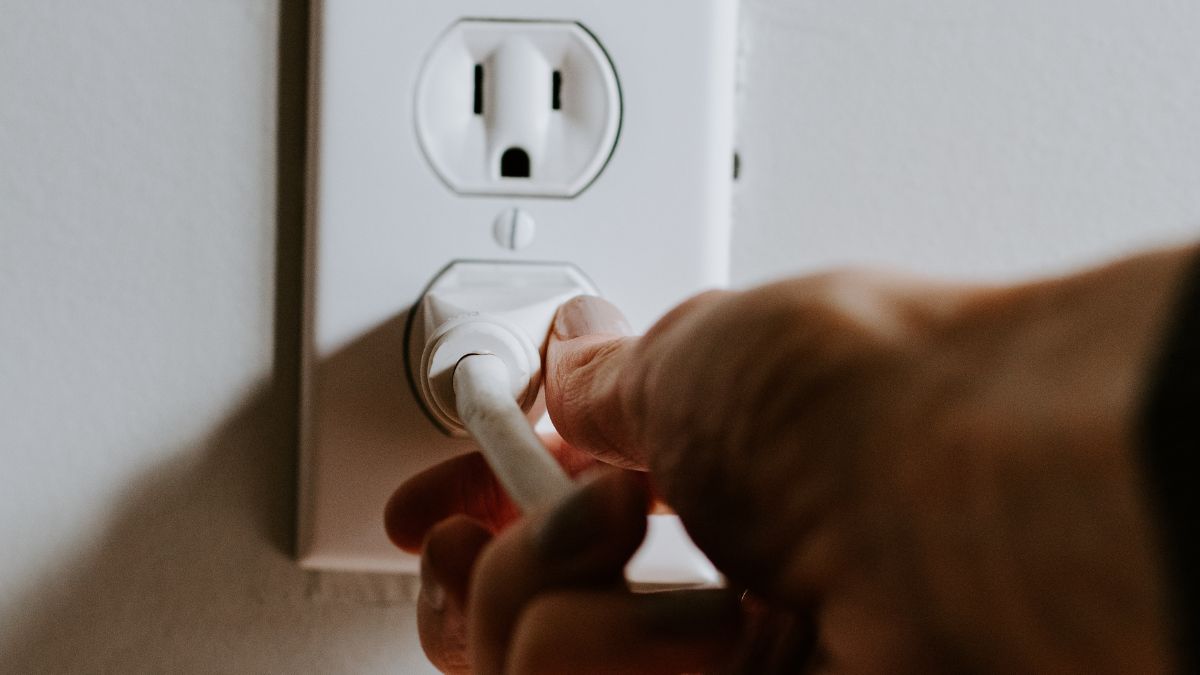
(195, 572)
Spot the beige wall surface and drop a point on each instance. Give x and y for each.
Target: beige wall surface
(149, 262)
(147, 356)
(975, 138)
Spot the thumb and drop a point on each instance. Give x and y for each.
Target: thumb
(589, 352)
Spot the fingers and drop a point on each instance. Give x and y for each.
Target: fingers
(450, 554)
(589, 360)
(584, 542)
(587, 353)
(776, 640)
(520, 614)
(584, 632)
(461, 485)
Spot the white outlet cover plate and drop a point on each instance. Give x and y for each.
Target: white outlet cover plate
(651, 230)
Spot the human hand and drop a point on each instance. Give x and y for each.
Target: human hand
(941, 477)
(547, 595)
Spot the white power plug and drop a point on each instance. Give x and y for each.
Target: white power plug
(474, 347)
(518, 108)
(474, 307)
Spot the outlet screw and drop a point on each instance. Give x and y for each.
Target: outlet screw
(513, 229)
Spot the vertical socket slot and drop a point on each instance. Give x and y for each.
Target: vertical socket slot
(556, 90)
(478, 99)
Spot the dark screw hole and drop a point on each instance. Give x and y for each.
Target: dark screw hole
(514, 163)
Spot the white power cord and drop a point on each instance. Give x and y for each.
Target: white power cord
(483, 393)
(487, 408)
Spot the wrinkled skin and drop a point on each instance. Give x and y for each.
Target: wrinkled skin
(907, 476)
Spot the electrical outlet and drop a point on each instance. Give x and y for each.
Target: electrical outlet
(629, 180)
(518, 108)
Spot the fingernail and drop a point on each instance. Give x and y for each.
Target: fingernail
(572, 527)
(589, 315)
(434, 594)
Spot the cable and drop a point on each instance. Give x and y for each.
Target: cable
(485, 403)
(483, 395)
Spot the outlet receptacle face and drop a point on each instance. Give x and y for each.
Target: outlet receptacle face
(518, 108)
(651, 229)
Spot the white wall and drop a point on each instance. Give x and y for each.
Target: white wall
(147, 422)
(146, 427)
(986, 138)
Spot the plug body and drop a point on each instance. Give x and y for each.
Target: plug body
(473, 307)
